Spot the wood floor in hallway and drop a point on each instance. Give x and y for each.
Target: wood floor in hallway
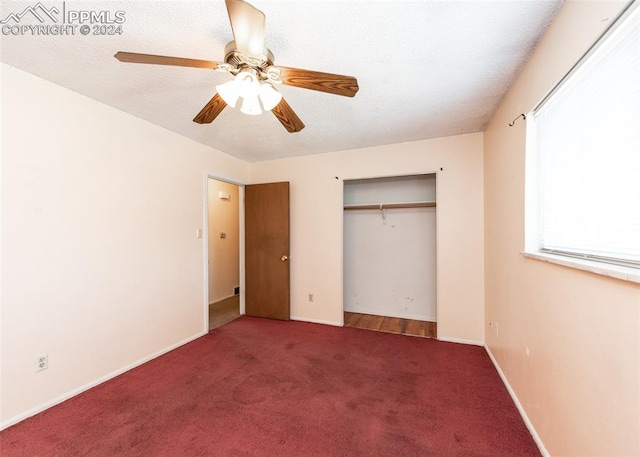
(224, 311)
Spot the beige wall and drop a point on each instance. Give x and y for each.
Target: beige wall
(580, 386)
(316, 224)
(101, 267)
(224, 253)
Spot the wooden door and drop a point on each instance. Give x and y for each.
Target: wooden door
(266, 209)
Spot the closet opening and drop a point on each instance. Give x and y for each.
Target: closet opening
(390, 254)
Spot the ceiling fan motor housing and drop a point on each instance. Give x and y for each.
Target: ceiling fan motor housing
(239, 60)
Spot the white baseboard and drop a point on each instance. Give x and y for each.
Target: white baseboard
(316, 321)
(514, 397)
(461, 341)
(38, 409)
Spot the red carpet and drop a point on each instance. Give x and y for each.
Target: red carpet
(257, 387)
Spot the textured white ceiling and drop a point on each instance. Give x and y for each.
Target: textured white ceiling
(425, 69)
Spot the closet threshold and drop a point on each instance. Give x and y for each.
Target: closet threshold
(381, 206)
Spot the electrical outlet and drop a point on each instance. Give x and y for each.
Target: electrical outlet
(310, 297)
(526, 351)
(42, 362)
(497, 329)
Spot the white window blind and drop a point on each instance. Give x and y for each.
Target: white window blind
(587, 146)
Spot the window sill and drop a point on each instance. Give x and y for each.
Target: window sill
(605, 269)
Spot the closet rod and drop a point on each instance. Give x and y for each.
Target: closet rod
(392, 205)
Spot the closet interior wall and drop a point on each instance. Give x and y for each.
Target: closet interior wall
(390, 247)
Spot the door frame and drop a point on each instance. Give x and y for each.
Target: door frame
(205, 237)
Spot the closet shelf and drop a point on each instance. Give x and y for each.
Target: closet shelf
(381, 206)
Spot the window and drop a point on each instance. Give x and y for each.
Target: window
(583, 155)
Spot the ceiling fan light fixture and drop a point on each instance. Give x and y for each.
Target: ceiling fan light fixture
(242, 85)
(246, 86)
(251, 105)
(249, 92)
(255, 95)
(269, 96)
(230, 92)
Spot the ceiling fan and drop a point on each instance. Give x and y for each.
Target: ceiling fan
(255, 75)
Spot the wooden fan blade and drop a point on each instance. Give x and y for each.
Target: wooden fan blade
(288, 117)
(315, 80)
(247, 24)
(134, 57)
(210, 110)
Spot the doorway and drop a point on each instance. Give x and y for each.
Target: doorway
(223, 244)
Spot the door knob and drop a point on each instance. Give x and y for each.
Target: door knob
(284, 258)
